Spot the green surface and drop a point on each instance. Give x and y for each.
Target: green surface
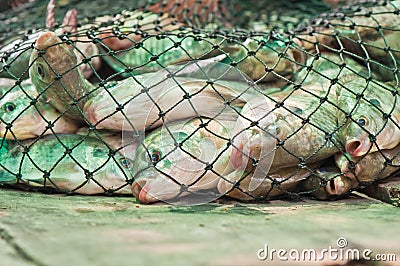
(43, 229)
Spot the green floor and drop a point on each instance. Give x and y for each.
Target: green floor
(42, 229)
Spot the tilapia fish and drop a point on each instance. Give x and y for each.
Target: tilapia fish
(262, 187)
(298, 125)
(182, 159)
(24, 115)
(328, 182)
(67, 163)
(149, 100)
(371, 167)
(369, 116)
(54, 73)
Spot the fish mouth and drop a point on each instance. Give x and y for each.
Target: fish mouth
(335, 186)
(46, 39)
(358, 147)
(140, 192)
(148, 192)
(341, 184)
(153, 188)
(150, 188)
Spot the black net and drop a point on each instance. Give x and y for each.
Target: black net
(186, 101)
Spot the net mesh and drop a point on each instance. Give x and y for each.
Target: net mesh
(186, 101)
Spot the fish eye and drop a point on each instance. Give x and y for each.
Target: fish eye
(8, 107)
(362, 121)
(40, 70)
(155, 156)
(126, 163)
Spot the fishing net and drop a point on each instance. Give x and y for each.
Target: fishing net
(186, 101)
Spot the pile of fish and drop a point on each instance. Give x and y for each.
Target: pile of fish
(190, 114)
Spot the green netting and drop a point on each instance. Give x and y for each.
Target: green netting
(186, 101)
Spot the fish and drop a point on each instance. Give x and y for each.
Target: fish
(371, 167)
(369, 116)
(268, 186)
(67, 163)
(55, 75)
(23, 115)
(147, 101)
(327, 183)
(182, 159)
(301, 123)
(298, 125)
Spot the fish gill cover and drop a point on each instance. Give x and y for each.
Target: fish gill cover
(185, 101)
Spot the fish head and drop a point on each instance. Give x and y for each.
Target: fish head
(112, 173)
(174, 162)
(366, 117)
(50, 61)
(255, 137)
(18, 110)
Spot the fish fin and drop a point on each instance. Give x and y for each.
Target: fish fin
(50, 20)
(69, 23)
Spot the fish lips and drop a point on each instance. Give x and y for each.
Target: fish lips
(175, 187)
(154, 188)
(359, 146)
